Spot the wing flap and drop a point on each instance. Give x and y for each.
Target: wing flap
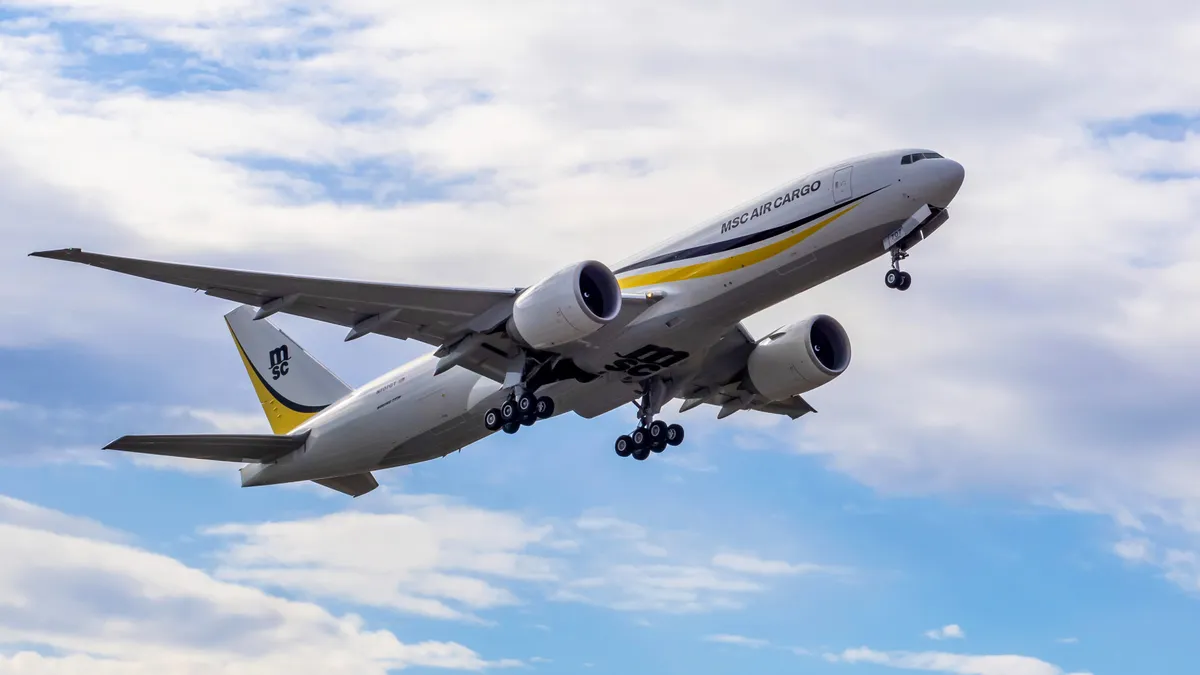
(355, 485)
(794, 407)
(244, 448)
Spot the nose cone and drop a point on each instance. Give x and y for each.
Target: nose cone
(945, 177)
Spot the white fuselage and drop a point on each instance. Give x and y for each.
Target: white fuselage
(745, 260)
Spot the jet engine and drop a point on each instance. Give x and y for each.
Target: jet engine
(799, 358)
(566, 306)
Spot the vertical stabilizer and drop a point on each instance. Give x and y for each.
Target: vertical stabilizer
(291, 385)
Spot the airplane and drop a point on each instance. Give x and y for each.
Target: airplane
(664, 324)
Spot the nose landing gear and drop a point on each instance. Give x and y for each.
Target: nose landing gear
(895, 278)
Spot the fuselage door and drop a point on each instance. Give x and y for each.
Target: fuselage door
(841, 185)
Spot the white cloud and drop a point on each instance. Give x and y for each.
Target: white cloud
(943, 662)
(738, 640)
(99, 606)
(754, 565)
(948, 632)
(431, 556)
(17, 513)
(434, 559)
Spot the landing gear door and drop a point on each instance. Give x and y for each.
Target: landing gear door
(841, 185)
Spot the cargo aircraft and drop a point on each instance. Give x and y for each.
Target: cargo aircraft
(661, 325)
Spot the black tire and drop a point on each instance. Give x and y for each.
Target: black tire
(905, 281)
(545, 407)
(526, 404)
(491, 420)
(658, 446)
(657, 431)
(512, 427)
(529, 419)
(508, 411)
(674, 434)
(624, 446)
(892, 278)
(639, 437)
(641, 454)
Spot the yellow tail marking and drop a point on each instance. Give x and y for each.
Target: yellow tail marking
(722, 265)
(282, 418)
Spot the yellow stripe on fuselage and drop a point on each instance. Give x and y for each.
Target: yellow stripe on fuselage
(282, 418)
(729, 264)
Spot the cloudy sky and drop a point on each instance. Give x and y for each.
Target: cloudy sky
(1005, 482)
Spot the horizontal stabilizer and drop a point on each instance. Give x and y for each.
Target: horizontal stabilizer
(247, 448)
(356, 485)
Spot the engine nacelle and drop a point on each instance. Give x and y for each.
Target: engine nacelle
(799, 358)
(568, 305)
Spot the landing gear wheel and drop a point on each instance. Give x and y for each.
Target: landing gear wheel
(657, 431)
(892, 278)
(905, 281)
(508, 411)
(658, 446)
(491, 420)
(641, 454)
(639, 437)
(544, 407)
(624, 446)
(674, 434)
(511, 427)
(526, 404)
(529, 419)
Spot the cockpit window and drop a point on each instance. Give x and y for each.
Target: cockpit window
(918, 156)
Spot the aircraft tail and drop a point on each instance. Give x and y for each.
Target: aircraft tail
(291, 385)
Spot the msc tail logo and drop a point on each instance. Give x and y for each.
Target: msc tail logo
(279, 362)
(645, 361)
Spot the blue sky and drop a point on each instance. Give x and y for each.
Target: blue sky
(1003, 482)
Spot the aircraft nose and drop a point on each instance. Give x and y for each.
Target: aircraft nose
(945, 178)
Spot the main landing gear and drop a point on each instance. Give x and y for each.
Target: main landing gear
(518, 411)
(894, 277)
(646, 439)
(651, 435)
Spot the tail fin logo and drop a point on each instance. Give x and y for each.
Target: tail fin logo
(279, 362)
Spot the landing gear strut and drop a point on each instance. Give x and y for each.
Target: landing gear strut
(895, 278)
(651, 435)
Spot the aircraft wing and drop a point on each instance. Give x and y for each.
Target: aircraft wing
(427, 313)
(721, 381)
(439, 316)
